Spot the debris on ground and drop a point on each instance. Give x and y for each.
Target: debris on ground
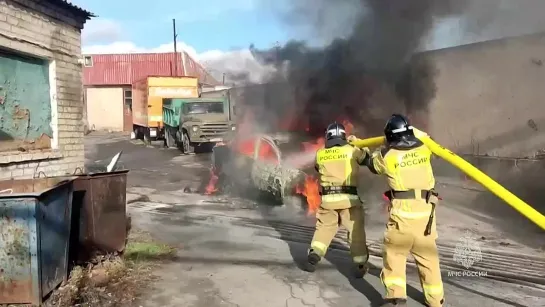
(114, 280)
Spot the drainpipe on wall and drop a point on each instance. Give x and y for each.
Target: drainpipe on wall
(84, 117)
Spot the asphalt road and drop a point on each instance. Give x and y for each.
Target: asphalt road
(238, 252)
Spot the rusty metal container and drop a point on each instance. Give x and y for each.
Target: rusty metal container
(99, 222)
(35, 220)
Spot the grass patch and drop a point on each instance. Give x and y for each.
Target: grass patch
(148, 251)
(116, 280)
(141, 247)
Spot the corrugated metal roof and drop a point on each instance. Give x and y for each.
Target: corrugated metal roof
(194, 68)
(73, 8)
(124, 69)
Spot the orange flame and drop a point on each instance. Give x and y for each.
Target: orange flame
(266, 152)
(311, 190)
(211, 186)
(246, 147)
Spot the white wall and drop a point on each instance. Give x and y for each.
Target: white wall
(105, 108)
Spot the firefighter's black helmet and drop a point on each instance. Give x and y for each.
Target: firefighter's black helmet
(398, 128)
(335, 135)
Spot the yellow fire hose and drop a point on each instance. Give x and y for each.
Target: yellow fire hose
(494, 187)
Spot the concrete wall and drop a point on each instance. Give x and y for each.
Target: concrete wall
(487, 102)
(489, 97)
(44, 31)
(105, 108)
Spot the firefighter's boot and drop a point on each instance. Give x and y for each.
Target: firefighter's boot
(361, 270)
(312, 261)
(394, 302)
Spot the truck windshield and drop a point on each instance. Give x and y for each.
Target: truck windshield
(204, 107)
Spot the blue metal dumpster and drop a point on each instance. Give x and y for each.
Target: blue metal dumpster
(35, 220)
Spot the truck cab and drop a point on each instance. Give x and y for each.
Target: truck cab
(196, 122)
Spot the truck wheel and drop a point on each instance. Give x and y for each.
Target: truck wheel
(186, 144)
(137, 133)
(147, 137)
(170, 137)
(178, 139)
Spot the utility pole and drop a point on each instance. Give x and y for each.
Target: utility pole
(277, 53)
(223, 79)
(175, 49)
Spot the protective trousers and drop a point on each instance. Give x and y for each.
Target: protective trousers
(405, 234)
(327, 224)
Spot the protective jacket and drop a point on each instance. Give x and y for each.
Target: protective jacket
(338, 168)
(409, 174)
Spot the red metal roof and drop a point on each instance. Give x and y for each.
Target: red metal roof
(124, 69)
(194, 68)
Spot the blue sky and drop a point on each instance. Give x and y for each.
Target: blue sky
(235, 24)
(204, 25)
(217, 33)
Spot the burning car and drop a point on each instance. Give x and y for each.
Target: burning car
(279, 162)
(272, 164)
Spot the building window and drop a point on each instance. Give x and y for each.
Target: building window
(25, 111)
(88, 61)
(127, 97)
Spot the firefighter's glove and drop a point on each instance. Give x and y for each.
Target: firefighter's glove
(351, 138)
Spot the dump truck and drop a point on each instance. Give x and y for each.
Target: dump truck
(147, 103)
(196, 122)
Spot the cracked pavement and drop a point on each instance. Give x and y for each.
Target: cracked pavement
(232, 251)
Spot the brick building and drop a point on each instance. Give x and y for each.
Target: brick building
(40, 88)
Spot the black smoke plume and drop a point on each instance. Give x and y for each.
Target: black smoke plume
(363, 75)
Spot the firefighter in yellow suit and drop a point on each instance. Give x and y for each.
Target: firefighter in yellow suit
(411, 227)
(338, 165)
